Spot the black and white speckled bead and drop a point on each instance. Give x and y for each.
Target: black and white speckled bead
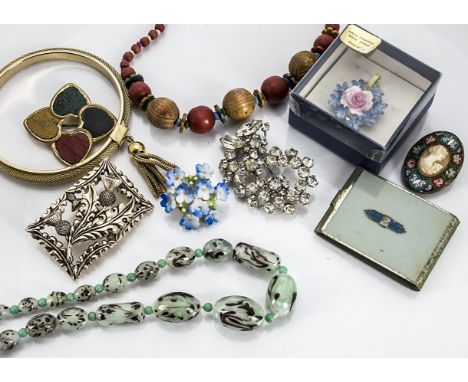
(41, 325)
(56, 299)
(8, 339)
(180, 257)
(85, 293)
(4, 311)
(72, 319)
(116, 314)
(147, 270)
(218, 250)
(28, 305)
(115, 282)
(256, 257)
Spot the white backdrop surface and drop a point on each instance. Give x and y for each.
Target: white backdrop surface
(344, 307)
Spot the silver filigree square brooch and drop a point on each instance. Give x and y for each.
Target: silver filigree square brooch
(89, 218)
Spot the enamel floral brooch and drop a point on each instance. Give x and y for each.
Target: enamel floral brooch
(358, 105)
(70, 124)
(194, 196)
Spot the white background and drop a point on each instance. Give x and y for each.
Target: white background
(344, 307)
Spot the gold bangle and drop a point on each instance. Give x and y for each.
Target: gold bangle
(108, 147)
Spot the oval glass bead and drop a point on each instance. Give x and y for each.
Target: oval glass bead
(115, 282)
(218, 250)
(176, 307)
(147, 270)
(72, 319)
(4, 311)
(180, 257)
(116, 314)
(281, 294)
(41, 325)
(28, 305)
(239, 313)
(56, 299)
(256, 257)
(8, 339)
(85, 293)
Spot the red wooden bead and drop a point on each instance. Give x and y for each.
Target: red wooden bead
(321, 43)
(124, 63)
(127, 72)
(153, 34)
(201, 119)
(275, 89)
(128, 56)
(136, 48)
(138, 91)
(145, 41)
(335, 27)
(160, 27)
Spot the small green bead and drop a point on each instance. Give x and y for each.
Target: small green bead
(270, 317)
(148, 310)
(92, 316)
(23, 332)
(42, 302)
(71, 296)
(283, 269)
(208, 307)
(198, 253)
(14, 309)
(162, 263)
(98, 288)
(131, 277)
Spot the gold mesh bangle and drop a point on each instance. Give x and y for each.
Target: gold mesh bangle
(108, 147)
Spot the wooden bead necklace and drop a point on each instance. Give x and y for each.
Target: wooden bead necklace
(238, 104)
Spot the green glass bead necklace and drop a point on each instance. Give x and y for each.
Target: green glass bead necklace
(234, 312)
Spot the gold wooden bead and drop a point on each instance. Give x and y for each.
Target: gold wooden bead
(136, 148)
(239, 103)
(300, 64)
(163, 113)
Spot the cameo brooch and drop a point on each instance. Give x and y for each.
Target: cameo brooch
(433, 162)
(359, 104)
(89, 218)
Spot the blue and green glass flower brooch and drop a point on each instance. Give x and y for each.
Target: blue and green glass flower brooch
(359, 104)
(194, 196)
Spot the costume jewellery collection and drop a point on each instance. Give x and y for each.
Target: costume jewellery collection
(103, 205)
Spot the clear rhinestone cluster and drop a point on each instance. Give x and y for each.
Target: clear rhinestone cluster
(248, 165)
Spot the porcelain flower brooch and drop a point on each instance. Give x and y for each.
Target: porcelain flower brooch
(360, 104)
(194, 196)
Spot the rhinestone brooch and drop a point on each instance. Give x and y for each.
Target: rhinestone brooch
(255, 172)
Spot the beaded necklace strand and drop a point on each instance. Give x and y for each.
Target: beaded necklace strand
(238, 104)
(234, 312)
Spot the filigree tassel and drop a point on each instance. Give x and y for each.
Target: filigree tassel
(150, 166)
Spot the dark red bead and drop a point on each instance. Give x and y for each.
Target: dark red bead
(145, 41)
(138, 91)
(124, 63)
(335, 27)
(275, 89)
(127, 72)
(128, 56)
(201, 119)
(136, 48)
(160, 27)
(321, 43)
(153, 34)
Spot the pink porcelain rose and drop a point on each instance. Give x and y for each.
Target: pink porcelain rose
(357, 100)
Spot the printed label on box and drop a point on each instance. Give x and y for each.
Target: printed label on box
(359, 39)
